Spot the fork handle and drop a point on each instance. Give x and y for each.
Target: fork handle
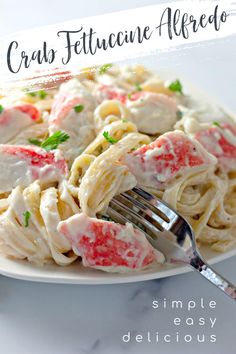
(207, 272)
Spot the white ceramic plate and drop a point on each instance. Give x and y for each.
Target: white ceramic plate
(77, 274)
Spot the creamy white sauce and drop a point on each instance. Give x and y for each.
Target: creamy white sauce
(153, 113)
(12, 122)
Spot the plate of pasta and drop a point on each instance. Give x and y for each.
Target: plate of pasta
(65, 152)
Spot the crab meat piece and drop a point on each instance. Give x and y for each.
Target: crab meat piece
(152, 112)
(14, 119)
(107, 92)
(107, 245)
(170, 156)
(71, 94)
(78, 124)
(220, 141)
(21, 165)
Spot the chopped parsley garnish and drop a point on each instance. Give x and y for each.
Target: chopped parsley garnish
(52, 142)
(79, 108)
(138, 87)
(124, 120)
(35, 142)
(109, 138)
(176, 86)
(32, 94)
(129, 96)
(1, 109)
(216, 124)
(103, 69)
(41, 94)
(26, 216)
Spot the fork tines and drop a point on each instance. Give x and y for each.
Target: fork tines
(143, 210)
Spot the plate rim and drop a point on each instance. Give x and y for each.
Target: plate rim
(119, 278)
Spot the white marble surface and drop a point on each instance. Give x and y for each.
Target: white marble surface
(38, 318)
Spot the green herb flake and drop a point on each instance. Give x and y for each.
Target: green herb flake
(26, 216)
(35, 142)
(52, 142)
(42, 94)
(129, 96)
(79, 108)
(217, 124)
(103, 69)
(176, 86)
(124, 120)
(109, 138)
(1, 109)
(138, 87)
(31, 94)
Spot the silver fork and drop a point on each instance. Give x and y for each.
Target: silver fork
(166, 230)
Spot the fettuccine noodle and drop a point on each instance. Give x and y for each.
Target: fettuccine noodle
(123, 126)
